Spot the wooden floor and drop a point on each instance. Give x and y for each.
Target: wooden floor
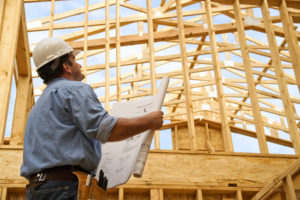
(232, 109)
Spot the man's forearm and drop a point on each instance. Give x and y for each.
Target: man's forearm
(128, 127)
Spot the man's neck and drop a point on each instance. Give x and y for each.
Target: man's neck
(66, 76)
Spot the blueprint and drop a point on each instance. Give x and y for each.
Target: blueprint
(121, 159)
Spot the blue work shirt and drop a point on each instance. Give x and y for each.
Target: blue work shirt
(64, 128)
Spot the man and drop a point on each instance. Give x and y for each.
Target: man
(67, 125)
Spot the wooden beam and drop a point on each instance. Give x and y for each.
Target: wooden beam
(218, 79)
(291, 38)
(107, 61)
(85, 44)
(284, 93)
(151, 47)
(3, 193)
(2, 7)
(23, 58)
(199, 195)
(249, 76)
(160, 167)
(51, 18)
(156, 194)
(71, 13)
(8, 49)
(121, 190)
(289, 188)
(118, 51)
(152, 61)
(239, 195)
(186, 75)
(24, 88)
(157, 36)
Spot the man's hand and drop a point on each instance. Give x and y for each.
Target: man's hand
(128, 127)
(155, 119)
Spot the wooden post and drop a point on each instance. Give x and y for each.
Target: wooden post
(8, 48)
(151, 47)
(156, 140)
(156, 194)
(239, 195)
(259, 127)
(3, 193)
(152, 61)
(291, 38)
(121, 190)
(2, 9)
(284, 93)
(186, 75)
(176, 137)
(289, 188)
(227, 54)
(24, 88)
(199, 195)
(85, 43)
(118, 56)
(51, 18)
(218, 78)
(107, 47)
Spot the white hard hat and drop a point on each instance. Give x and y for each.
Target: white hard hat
(49, 49)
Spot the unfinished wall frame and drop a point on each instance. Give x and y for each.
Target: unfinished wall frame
(234, 73)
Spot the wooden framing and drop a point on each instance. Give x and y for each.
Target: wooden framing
(187, 88)
(218, 79)
(234, 73)
(10, 32)
(249, 74)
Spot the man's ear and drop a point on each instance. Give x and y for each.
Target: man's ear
(67, 68)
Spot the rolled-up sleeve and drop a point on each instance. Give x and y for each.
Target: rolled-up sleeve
(89, 115)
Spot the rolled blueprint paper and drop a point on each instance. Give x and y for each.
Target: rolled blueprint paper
(123, 158)
(142, 157)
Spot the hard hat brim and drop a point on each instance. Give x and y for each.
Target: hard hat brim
(76, 52)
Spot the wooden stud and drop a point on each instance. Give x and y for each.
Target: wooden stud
(151, 47)
(208, 141)
(85, 44)
(107, 48)
(239, 195)
(156, 194)
(118, 53)
(224, 119)
(161, 194)
(227, 54)
(8, 47)
(176, 138)
(291, 38)
(51, 18)
(24, 88)
(23, 59)
(152, 61)
(121, 190)
(261, 137)
(187, 89)
(20, 113)
(4, 193)
(284, 93)
(289, 188)
(199, 195)
(2, 7)
(156, 140)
